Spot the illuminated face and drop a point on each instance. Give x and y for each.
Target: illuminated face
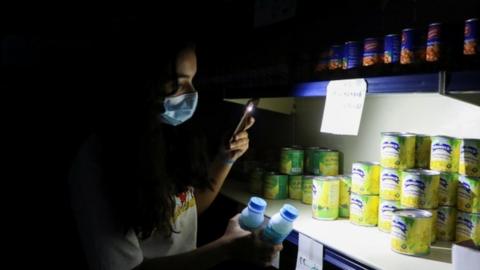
(186, 68)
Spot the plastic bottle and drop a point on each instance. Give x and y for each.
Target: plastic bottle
(252, 217)
(280, 225)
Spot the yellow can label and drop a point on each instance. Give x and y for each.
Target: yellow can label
(390, 184)
(468, 196)
(307, 189)
(364, 209)
(325, 162)
(422, 151)
(397, 151)
(295, 187)
(446, 218)
(345, 191)
(385, 212)
(419, 189)
(325, 198)
(275, 186)
(411, 235)
(468, 227)
(445, 154)
(469, 163)
(447, 190)
(291, 161)
(366, 178)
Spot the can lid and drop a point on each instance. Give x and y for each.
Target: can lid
(422, 172)
(412, 212)
(367, 163)
(392, 35)
(407, 29)
(443, 136)
(327, 178)
(471, 20)
(351, 41)
(435, 23)
(289, 212)
(394, 133)
(257, 204)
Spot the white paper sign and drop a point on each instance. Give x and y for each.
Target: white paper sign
(310, 254)
(343, 107)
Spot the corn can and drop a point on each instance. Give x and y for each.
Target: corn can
(468, 227)
(308, 158)
(291, 161)
(255, 183)
(366, 178)
(385, 211)
(419, 189)
(433, 42)
(345, 191)
(469, 163)
(468, 196)
(389, 184)
(325, 162)
(447, 190)
(411, 231)
(444, 154)
(336, 57)
(364, 209)
(275, 186)
(397, 150)
(422, 151)
(434, 213)
(470, 41)
(446, 219)
(407, 53)
(307, 189)
(325, 197)
(295, 187)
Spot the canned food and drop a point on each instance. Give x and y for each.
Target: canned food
(470, 43)
(407, 55)
(322, 64)
(345, 190)
(291, 161)
(397, 150)
(325, 162)
(366, 178)
(364, 209)
(352, 55)
(422, 151)
(468, 196)
(295, 187)
(419, 189)
(390, 184)
(336, 57)
(469, 163)
(391, 49)
(371, 52)
(256, 181)
(468, 227)
(433, 42)
(445, 154)
(434, 224)
(307, 189)
(275, 186)
(385, 211)
(446, 219)
(309, 158)
(447, 190)
(411, 231)
(325, 196)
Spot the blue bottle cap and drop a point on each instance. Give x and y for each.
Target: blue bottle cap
(257, 204)
(289, 212)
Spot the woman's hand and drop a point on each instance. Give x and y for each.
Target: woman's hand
(244, 245)
(238, 144)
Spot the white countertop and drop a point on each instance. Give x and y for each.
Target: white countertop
(367, 245)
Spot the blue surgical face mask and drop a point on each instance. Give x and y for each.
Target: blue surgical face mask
(179, 109)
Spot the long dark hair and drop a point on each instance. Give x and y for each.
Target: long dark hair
(146, 163)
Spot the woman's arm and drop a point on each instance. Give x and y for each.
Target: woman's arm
(221, 166)
(234, 244)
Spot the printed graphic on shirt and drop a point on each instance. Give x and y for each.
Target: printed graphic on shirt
(184, 201)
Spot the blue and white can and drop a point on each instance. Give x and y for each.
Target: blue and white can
(391, 49)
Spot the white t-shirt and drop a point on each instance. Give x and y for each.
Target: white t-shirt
(104, 243)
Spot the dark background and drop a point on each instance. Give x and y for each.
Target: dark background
(53, 85)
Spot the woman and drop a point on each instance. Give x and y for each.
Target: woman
(138, 185)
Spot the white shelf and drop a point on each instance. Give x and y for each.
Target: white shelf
(367, 245)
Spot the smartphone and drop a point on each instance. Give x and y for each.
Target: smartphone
(249, 109)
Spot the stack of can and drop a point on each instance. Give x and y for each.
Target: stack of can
(397, 153)
(364, 198)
